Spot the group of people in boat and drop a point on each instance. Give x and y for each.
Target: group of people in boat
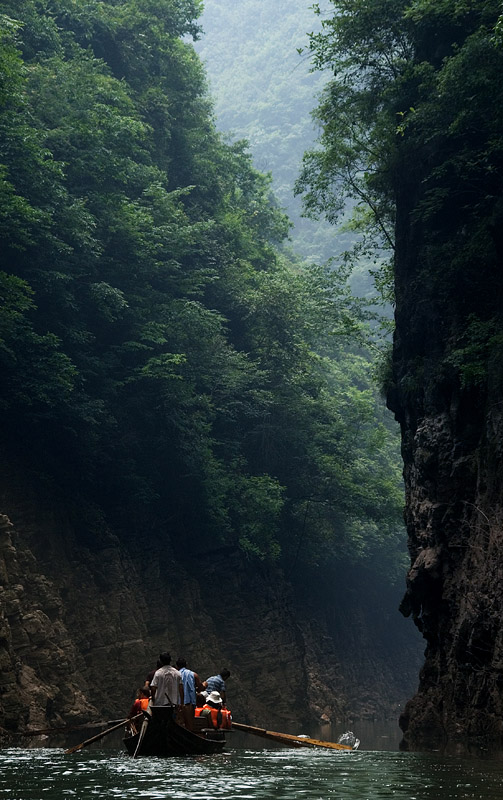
(182, 690)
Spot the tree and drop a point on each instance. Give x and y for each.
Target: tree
(403, 85)
(158, 342)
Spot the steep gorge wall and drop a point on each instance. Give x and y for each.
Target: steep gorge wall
(455, 590)
(83, 618)
(447, 394)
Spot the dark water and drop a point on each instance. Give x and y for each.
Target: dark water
(49, 774)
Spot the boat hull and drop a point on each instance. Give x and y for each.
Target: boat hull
(164, 737)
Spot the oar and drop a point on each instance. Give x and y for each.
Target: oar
(101, 735)
(288, 739)
(143, 730)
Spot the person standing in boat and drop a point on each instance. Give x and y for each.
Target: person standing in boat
(216, 683)
(148, 679)
(166, 686)
(192, 684)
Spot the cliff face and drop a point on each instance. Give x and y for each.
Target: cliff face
(454, 518)
(84, 616)
(447, 394)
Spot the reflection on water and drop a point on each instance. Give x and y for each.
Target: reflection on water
(47, 774)
(373, 735)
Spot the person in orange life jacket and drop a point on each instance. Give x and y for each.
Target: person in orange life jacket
(191, 685)
(166, 686)
(201, 704)
(216, 683)
(139, 705)
(141, 702)
(212, 710)
(200, 701)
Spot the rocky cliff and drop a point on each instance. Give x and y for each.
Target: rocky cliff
(447, 393)
(85, 612)
(454, 517)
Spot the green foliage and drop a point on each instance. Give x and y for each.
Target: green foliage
(155, 341)
(359, 47)
(474, 349)
(36, 375)
(256, 506)
(411, 131)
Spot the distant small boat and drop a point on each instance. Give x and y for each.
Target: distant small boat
(162, 736)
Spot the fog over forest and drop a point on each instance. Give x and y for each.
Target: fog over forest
(264, 92)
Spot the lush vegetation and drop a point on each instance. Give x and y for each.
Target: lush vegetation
(162, 359)
(412, 133)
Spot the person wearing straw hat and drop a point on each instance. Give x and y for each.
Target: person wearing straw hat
(212, 709)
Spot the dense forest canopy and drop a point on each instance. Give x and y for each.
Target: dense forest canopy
(162, 357)
(411, 133)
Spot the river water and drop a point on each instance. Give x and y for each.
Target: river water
(247, 773)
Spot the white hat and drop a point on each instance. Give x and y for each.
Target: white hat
(214, 697)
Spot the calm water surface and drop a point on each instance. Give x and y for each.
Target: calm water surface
(47, 774)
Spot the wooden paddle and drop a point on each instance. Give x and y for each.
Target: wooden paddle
(101, 735)
(287, 739)
(144, 726)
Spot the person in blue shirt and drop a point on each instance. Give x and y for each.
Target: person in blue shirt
(192, 684)
(216, 683)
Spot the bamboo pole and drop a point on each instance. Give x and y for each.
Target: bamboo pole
(288, 739)
(143, 731)
(101, 735)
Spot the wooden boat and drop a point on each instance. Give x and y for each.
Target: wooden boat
(162, 736)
